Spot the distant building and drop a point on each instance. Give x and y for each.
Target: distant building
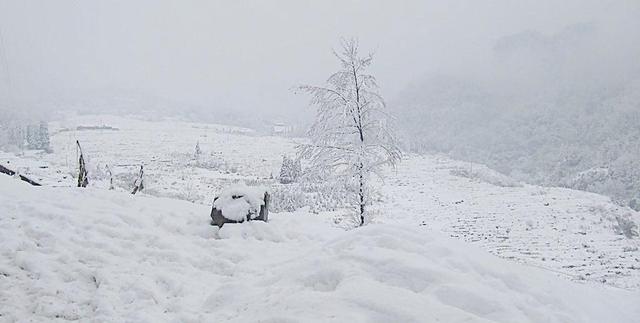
(281, 129)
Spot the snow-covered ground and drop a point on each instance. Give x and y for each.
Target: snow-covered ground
(109, 256)
(166, 148)
(572, 233)
(103, 256)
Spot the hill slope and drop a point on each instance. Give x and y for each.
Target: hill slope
(570, 232)
(92, 255)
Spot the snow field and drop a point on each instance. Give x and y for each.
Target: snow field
(569, 232)
(101, 256)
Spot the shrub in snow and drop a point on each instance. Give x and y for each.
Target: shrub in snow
(197, 151)
(624, 225)
(288, 198)
(482, 173)
(290, 170)
(240, 203)
(635, 203)
(317, 196)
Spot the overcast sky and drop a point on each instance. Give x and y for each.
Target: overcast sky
(246, 55)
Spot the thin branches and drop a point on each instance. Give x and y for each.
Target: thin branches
(350, 137)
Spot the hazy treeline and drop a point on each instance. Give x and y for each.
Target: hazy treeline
(21, 130)
(560, 109)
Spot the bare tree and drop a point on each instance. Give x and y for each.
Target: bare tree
(83, 179)
(350, 137)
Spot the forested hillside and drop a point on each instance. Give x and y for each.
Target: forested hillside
(559, 109)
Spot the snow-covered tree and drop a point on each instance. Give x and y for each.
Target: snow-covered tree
(197, 152)
(32, 137)
(290, 170)
(43, 137)
(350, 137)
(16, 135)
(37, 136)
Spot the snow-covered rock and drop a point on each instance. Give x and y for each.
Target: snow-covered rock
(241, 202)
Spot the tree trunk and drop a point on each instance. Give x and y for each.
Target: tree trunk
(361, 197)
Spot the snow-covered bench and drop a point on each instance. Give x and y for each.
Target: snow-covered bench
(240, 203)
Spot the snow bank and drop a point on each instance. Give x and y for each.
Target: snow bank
(100, 256)
(238, 201)
(484, 174)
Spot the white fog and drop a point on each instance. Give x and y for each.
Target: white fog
(313, 161)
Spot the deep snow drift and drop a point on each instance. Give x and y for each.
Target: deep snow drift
(95, 255)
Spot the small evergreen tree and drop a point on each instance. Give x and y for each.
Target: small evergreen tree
(289, 171)
(32, 137)
(37, 136)
(43, 137)
(198, 151)
(17, 135)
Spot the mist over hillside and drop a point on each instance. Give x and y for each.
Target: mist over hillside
(314, 161)
(558, 109)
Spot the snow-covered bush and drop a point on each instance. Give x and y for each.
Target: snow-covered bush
(483, 174)
(625, 225)
(197, 151)
(635, 203)
(290, 170)
(288, 198)
(212, 160)
(314, 195)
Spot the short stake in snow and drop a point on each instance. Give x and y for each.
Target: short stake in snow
(240, 203)
(83, 175)
(110, 178)
(138, 185)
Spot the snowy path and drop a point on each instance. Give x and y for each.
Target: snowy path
(563, 230)
(92, 255)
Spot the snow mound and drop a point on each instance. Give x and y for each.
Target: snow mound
(101, 256)
(238, 201)
(484, 174)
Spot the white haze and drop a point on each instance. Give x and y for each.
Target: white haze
(545, 91)
(244, 56)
